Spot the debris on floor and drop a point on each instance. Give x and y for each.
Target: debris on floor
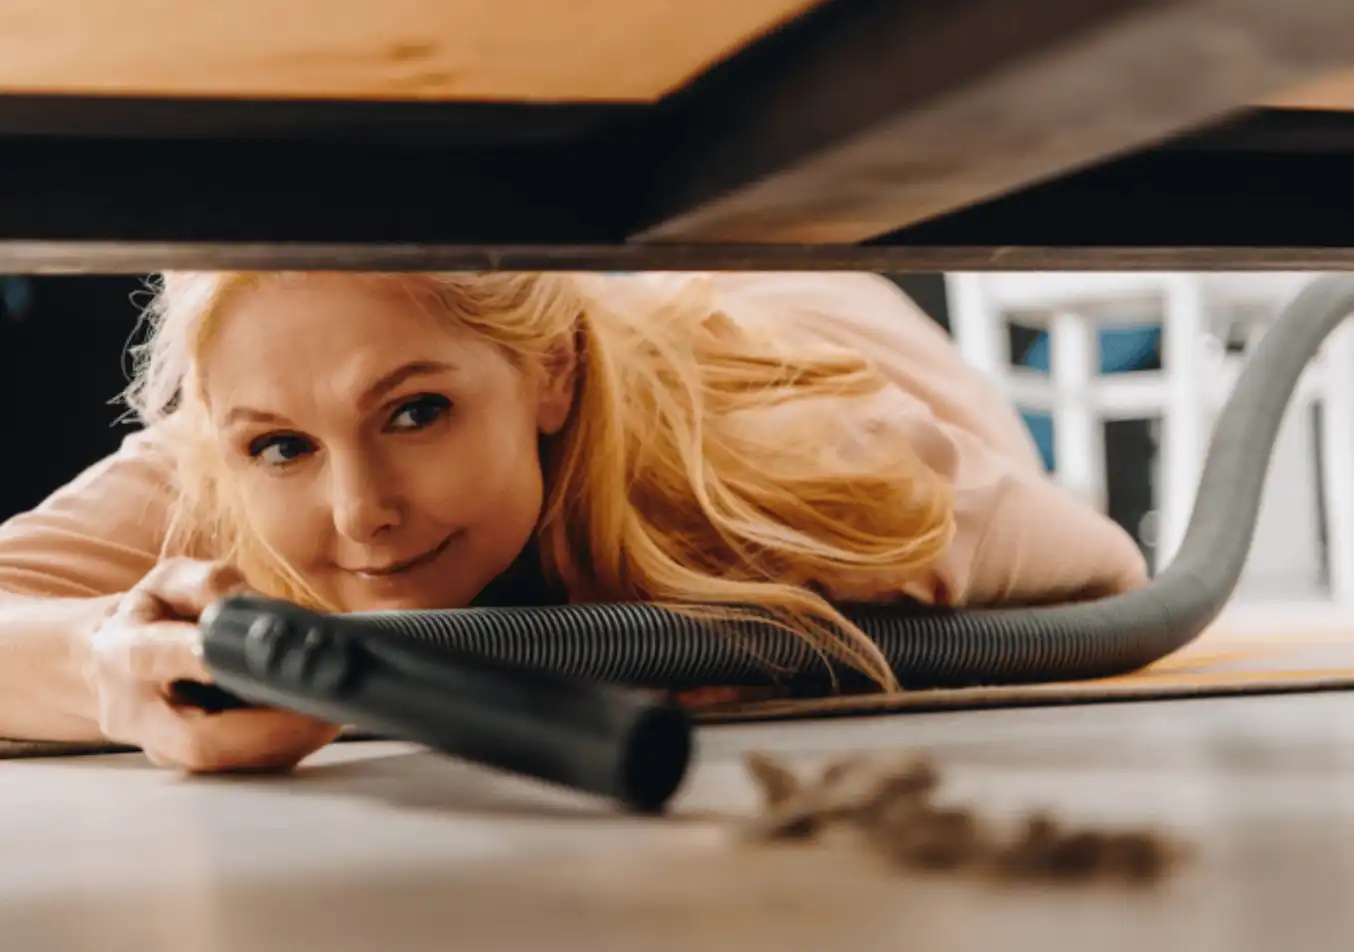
(889, 803)
(777, 782)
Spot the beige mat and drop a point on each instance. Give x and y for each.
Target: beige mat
(1217, 664)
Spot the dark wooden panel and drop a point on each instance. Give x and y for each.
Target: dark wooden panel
(431, 124)
(871, 115)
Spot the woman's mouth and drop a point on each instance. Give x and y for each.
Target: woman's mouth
(398, 568)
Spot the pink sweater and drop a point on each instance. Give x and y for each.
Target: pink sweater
(1020, 538)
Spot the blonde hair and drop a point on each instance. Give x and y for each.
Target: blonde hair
(665, 484)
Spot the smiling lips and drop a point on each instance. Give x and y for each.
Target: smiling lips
(396, 568)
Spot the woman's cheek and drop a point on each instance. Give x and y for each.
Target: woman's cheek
(285, 513)
(409, 468)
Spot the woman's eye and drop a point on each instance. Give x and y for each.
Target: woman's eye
(419, 412)
(279, 450)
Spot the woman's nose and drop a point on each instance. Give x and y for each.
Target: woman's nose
(366, 505)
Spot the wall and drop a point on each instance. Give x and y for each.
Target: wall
(59, 370)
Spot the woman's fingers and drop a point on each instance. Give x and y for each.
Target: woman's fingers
(185, 587)
(139, 607)
(252, 739)
(149, 642)
(128, 654)
(130, 665)
(256, 739)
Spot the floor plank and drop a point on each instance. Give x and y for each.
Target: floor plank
(380, 842)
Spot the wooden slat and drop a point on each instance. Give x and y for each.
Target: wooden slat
(130, 205)
(904, 112)
(529, 50)
(139, 257)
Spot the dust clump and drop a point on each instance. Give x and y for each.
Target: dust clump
(889, 805)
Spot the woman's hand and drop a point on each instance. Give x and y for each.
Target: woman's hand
(149, 641)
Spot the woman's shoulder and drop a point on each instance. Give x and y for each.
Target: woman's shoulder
(864, 313)
(870, 316)
(837, 299)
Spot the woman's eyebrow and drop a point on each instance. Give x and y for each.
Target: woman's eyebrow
(417, 368)
(250, 415)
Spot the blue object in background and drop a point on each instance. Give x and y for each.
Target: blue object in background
(1121, 350)
(16, 296)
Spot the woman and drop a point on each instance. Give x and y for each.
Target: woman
(359, 442)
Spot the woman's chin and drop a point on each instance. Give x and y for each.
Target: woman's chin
(412, 599)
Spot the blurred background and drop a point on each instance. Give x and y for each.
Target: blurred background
(1117, 375)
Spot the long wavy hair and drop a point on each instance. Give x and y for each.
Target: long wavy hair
(665, 484)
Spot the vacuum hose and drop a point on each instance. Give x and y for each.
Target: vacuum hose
(645, 645)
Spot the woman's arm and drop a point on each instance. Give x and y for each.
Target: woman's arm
(45, 692)
(62, 567)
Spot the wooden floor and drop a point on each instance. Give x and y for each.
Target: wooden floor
(380, 846)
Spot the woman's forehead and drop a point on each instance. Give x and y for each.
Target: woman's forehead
(334, 329)
(328, 308)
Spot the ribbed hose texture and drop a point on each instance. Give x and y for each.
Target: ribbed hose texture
(646, 645)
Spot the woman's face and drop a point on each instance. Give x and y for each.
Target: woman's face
(390, 459)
